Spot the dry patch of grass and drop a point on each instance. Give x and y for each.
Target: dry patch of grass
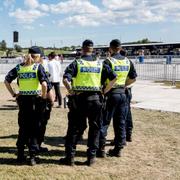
(153, 154)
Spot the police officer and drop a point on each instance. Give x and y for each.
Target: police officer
(46, 110)
(116, 105)
(83, 77)
(129, 121)
(32, 93)
(128, 92)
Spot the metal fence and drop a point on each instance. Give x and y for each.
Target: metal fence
(163, 72)
(158, 69)
(151, 69)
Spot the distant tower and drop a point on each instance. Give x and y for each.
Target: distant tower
(15, 36)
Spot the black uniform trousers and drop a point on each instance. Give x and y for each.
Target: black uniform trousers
(88, 106)
(57, 92)
(73, 114)
(46, 107)
(29, 122)
(116, 108)
(129, 122)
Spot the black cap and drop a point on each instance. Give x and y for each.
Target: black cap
(87, 43)
(36, 50)
(115, 43)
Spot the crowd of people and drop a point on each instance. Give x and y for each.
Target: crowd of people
(98, 91)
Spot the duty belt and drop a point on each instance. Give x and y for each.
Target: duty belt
(117, 90)
(90, 96)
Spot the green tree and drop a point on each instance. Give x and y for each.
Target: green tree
(3, 45)
(73, 48)
(144, 41)
(9, 52)
(18, 48)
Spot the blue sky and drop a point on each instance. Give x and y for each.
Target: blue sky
(64, 23)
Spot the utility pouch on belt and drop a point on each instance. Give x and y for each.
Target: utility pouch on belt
(72, 104)
(93, 97)
(104, 103)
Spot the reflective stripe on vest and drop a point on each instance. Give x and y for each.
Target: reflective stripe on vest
(88, 76)
(121, 67)
(28, 80)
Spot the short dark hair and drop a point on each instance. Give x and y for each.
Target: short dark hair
(87, 43)
(52, 54)
(123, 52)
(115, 43)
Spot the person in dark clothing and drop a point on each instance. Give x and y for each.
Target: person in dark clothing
(83, 79)
(32, 94)
(129, 121)
(116, 105)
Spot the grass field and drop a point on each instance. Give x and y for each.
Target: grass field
(25, 51)
(153, 154)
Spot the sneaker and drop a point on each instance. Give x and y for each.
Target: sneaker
(67, 161)
(32, 161)
(101, 154)
(114, 152)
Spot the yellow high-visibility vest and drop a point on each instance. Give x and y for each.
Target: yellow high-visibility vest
(28, 80)
(121, 67)
(88, 76)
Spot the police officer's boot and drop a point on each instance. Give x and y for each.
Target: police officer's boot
(67, 161)
(32, 159)
(20, 156)
(128, 138)
(114, 152)
(91, 161)
(101, 153)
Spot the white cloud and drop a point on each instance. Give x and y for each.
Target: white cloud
(28, 27)
(118, 4)
(31, 3)
(81, 20)
(9, 4)
(41, 25)
(117, 12)
(44, 7)
(111, 12)
(74, 6)
(25, 16)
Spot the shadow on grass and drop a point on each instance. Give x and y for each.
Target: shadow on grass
(8, 161)
(9, 107)
(55, 141)
(13, 136)
(59, 141)
(62, 153)
(11, 150)
(42, 158)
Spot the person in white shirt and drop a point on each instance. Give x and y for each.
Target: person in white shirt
(54, 67)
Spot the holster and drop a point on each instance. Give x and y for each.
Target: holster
(72, 102)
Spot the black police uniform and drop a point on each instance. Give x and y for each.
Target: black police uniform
(88, 105)
(116, 108)
(29, 116)
(129, 121)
